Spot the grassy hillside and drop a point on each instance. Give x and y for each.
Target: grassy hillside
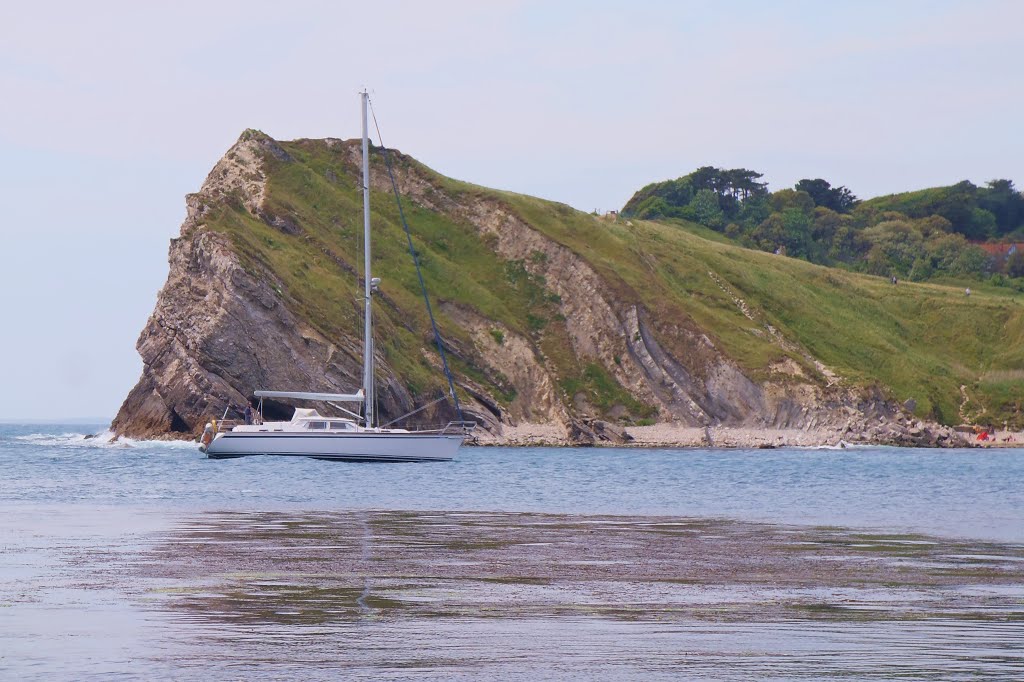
(920, 341)
(914, 204)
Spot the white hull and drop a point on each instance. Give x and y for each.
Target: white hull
(351, 447)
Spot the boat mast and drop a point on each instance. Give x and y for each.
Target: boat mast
(368, 283)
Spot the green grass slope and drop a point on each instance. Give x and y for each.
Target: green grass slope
(920, 341)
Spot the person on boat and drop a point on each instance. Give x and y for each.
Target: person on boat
(248, 414)
(207, 436)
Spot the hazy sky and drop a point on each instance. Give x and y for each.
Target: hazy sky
(111, 112)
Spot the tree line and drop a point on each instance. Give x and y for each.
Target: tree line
(916, 235)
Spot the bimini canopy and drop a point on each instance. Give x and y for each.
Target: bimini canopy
(356, 397)
(304, 413)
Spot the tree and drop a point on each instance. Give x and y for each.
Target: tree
(848, 245)
(706, 177)
(790, 228)
(921, 270)
(788, 198)
(953, 254)
(678, 192)
(733, 188)
(745, 183)
(877, 263)
(839, 199)
(981, 226)
(933, 224)
(899, 242)
(944, 249)
(1005, 203)
(704, 209)
(826, 222)
(769, 235)
(823, 232)
(797, 232)
(843, 200)
(755, 210)
(956, 204)
(972, 261)
(819, 190)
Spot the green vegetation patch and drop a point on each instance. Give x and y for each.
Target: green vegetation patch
(603, 392)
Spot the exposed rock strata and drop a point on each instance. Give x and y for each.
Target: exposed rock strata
(221, 330)
(218, 332)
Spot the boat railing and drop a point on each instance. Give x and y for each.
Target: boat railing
(451, 427)
(225, 425)
(459, 427)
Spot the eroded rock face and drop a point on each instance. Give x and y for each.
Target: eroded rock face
(218, 331)
(216, 335)
(221, 330)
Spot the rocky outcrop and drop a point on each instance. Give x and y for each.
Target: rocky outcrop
(225, 324)
(220, 330)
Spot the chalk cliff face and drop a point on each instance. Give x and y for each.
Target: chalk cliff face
(541, 324)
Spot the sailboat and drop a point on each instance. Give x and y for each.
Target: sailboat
(356, 438)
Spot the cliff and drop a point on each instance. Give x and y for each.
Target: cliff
(551, 316)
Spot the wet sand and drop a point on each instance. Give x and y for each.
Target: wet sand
(443, 595)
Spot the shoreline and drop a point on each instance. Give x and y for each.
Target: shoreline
(672, 435)
(669, 435)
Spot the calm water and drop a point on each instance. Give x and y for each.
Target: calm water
(146, 559)
(971, 493)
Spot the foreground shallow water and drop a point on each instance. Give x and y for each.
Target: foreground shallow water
(88, 594)
(145, 560)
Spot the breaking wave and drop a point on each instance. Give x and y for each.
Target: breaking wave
(103, 439)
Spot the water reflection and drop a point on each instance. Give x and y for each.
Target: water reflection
(529, 596)
(597, 649)
(459, 595)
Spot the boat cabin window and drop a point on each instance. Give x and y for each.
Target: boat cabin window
(341, 426)
(316, 425)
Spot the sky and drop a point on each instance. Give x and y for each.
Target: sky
(110, 112)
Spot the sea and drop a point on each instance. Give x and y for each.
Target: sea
(143, 560)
